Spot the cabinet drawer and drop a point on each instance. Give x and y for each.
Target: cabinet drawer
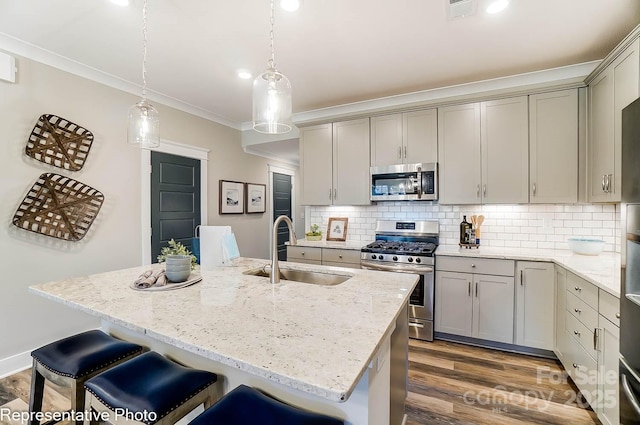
(581, 311)
(304, 252)
(340, 255)
(582, 369)
(609, 307)
(582, 334)
(476, 265)
(582, 289)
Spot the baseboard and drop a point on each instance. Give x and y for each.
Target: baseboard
(15, 364)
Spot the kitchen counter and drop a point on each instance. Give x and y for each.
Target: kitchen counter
(353, 245)
(310, 338)
(602, 270)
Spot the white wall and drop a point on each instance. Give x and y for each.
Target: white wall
(519, 226)
(113, 167)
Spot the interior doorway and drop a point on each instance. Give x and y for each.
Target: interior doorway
(282, 205)
(175, 200)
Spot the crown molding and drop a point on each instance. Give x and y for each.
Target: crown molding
(38, 54)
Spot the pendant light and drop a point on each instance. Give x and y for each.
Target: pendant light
(144, 121)
(271, 97)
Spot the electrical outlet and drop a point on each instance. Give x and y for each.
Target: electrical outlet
(302, 214)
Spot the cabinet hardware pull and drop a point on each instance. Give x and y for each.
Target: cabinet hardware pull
(577, 288)
(609, 182)
(596, 338)
(340, 256)
(473, 266)
(484, 190)
(534, 189)
(302, 253)
(617, 315)
(576, 333)
(521, 277)
(477, 191)
(476, 289)
(576, 366)
(577, 310)
(604, 183)
(469, 288)
(399, 152)
(405, 152)
(416, 325)
(335, 194)
(330, 194)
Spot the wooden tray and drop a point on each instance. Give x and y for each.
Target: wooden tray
(469, 245)
(59, 207)
(59, 142)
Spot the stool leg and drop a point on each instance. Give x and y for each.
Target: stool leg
(37, 393)
(77, 398)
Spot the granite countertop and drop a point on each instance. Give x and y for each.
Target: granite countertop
(354, 245)
(602, 270)
(312, 338)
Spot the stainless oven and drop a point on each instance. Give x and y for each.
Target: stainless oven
(408, 247)
(405, 182)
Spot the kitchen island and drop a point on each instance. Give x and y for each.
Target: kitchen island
(327, 348)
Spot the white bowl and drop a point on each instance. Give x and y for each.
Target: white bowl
(586, 246)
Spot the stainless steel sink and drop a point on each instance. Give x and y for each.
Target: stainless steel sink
(315, 278)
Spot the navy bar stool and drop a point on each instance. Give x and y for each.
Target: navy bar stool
(149, 389)
(247, 406)
(69, 362)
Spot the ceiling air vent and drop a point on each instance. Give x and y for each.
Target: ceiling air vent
(461, 8)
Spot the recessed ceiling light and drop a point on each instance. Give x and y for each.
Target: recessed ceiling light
(290, 5)
(245, 75)
(120, 2)
(497, 6)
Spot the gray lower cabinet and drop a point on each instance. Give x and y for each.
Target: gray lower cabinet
(349, 258)
(474, 297)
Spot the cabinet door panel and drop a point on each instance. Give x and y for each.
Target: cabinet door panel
(453, 303)
(386, 140)
(420, 130)
(553, 147)
(608, 355)
(535, 290)
(505, 150)
(600, 145)
(351, 177)
(459, 154)
(560, 347)
(626, 75)
(316, 164)
(493, 308)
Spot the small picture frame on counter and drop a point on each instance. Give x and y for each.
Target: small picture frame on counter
(255, 198)
(337, 229)
(231, 197)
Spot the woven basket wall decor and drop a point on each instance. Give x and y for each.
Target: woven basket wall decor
(59, 142)
(59, 207)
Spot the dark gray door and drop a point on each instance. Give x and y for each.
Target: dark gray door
(175, 200)
(282, 206)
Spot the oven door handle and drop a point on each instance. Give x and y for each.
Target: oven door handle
(386, 268)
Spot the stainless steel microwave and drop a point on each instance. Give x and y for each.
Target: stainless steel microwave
(405, 182)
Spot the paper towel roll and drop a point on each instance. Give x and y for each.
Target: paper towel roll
(211, 246)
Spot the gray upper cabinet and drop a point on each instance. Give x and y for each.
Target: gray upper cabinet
(553, 147)
(612, 88)
(407, 138)
(334, 163)
(483, 151)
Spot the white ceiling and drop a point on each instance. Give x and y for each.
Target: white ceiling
(333, 51)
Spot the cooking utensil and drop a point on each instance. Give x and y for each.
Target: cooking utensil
(474, 220)
(479, 221)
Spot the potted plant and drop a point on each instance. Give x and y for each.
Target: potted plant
(179, 261)
(314, 234)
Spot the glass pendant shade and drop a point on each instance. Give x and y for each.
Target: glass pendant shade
(272, 103)
(144, 125)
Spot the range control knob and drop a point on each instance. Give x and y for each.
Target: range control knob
(418, 260)
(380, 257)
(373, 256)
(410, 259)
(395, 258)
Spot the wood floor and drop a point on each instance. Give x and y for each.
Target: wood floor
(457, 384)
(449, 384)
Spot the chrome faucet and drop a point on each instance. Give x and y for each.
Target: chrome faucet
(275, 267)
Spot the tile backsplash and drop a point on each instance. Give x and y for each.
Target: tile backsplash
(522, 226)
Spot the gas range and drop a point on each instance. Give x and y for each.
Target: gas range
(403, 242)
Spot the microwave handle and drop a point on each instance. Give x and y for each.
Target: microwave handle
(419, 183)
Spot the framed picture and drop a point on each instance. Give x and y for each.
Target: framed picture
(337, 229)
(231, 197)
(255, 202)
